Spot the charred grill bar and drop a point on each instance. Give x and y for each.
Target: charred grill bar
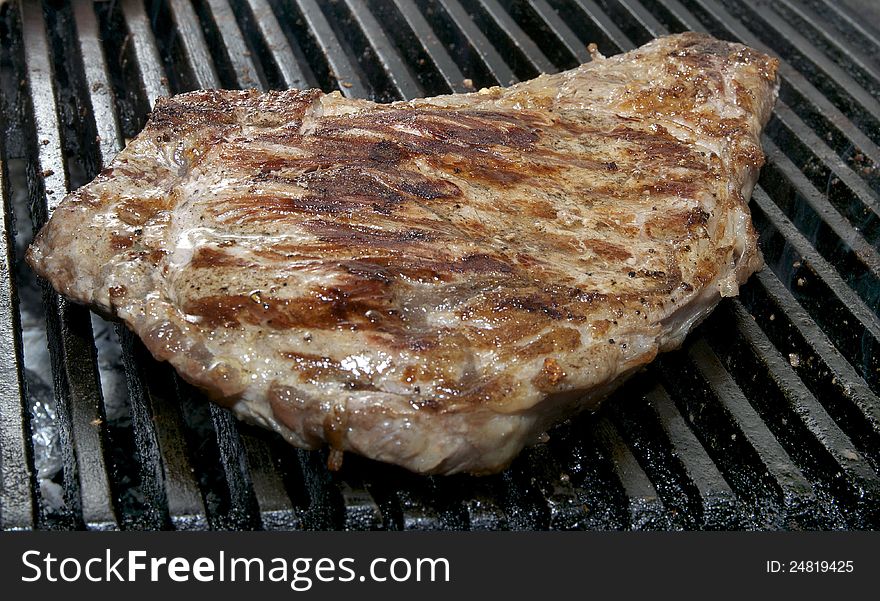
(768, 418)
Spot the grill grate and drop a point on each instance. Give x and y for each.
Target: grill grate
(768, 418)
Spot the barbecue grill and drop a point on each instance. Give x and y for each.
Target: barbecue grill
(768, 418)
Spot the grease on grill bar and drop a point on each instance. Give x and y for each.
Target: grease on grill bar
(768, 418)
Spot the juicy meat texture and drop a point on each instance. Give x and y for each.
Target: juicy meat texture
(430, 283)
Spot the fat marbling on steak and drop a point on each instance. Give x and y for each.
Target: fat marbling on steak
(430, 283)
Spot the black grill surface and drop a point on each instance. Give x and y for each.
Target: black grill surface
(768, 418)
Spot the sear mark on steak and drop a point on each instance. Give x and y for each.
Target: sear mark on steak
(429, 283)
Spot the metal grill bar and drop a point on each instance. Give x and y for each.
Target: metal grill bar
(200, 61)
(499, 70)
(98, 82)
(321, 503)
(639, 429)
(432, 46)
(605, 24)
(237, 51)
(42, 90)
(242, 513)
(342, 70)
(676, 12)
(642, 18)
(282, 55)
(392, 63)
(274, 505)
(165, 480)
(645, 510)
(521, 41)
(16, 477)
(361, 510)
(553, 489)
(570, 41)
(145, 49)
(718, 507)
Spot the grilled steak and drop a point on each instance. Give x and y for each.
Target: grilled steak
(430, 283)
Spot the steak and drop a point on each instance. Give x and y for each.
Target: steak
(430, 283)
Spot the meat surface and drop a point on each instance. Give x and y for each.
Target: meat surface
(430, 283)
